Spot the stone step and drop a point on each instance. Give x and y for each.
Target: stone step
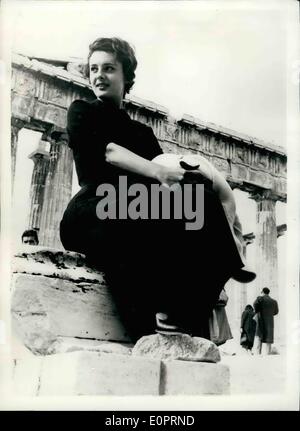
(98, 373)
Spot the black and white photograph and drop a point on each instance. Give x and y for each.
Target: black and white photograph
(150, 164)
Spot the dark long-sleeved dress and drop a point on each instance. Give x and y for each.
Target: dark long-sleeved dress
(151, 265)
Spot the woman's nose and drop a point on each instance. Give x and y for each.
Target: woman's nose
(100, 73)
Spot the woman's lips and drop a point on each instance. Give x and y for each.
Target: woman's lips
(102, 86)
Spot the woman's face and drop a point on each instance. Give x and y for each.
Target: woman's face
(106, 77)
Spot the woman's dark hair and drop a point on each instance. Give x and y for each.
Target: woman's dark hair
(124, 54)
(248, 307)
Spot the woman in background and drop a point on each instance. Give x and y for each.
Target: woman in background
(219, 328)
(248, 328)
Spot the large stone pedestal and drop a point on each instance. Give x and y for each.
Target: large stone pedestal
(56, 297)
(97, 373)
(62, 311)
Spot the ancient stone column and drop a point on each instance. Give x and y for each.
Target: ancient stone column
(280, 333)
(58, 190)
(40, 158)
(248, 239)
(266, 242)
(16, 126)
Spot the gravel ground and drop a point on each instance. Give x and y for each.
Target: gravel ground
(256, 374)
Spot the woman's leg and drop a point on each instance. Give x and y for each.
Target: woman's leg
(198, 264)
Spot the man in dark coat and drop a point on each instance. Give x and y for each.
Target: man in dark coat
(265, 308)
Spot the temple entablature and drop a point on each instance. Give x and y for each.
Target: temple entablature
(247, 162)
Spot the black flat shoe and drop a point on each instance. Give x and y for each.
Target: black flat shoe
(188, 167)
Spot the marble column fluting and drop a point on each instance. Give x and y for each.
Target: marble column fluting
(58, 190)
(281, 229)
(248, 239)
(266, 242)
(40, 158)
(16, 126)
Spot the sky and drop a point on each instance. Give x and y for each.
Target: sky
(222, 62)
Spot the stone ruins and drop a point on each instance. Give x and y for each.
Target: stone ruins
(41, 93)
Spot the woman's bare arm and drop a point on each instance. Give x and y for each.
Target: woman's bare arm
(123, 158)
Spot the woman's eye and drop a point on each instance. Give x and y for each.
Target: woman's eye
(93, 69)
(109, 69)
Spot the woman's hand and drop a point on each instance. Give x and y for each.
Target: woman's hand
(168, 176)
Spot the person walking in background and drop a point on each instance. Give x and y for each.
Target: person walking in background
(265, 308)
(248, 328)
(219, 328)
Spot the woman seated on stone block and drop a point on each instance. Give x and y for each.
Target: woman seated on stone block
(163, 276)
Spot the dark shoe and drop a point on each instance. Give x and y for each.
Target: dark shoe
(166, 326)
(187, 166)
(244, 275)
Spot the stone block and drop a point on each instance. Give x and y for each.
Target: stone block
(71, 344)
(22, 106)
(26, 376)
(57, 94)
(25, 84)
(55, 295)
(261, 178)
(194, 378)
(100, 373)
(222, 165)
(50, 113)
(172, 347)
(44, 308)
(281, 185)
(51, 262)
(239, 172)
(92, 373)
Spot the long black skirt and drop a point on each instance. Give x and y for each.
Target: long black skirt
(156, 265)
